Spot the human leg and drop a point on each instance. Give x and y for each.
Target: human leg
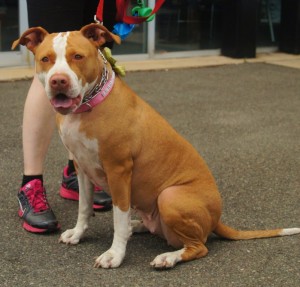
(38, 127)
(69, 188)
(38, 120)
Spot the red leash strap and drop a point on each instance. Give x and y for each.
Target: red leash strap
(121, 8)
(122, 12)
(99, 12)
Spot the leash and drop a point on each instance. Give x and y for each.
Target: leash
(122, 16)
(126, 23)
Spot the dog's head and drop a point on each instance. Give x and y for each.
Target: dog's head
(66, 63)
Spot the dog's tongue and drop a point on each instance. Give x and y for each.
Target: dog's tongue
(62, 101)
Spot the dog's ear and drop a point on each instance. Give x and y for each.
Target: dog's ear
(99, 34)
(31, 38)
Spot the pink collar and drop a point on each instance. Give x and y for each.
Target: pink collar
(98, 98)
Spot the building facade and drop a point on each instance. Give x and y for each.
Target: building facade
(183, 28)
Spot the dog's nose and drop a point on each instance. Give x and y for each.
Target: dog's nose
(59, 82)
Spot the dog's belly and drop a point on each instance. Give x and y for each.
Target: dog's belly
(152, 221)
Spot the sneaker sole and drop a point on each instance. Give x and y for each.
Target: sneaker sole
(68, 194)
(73, 195)
(32, 229)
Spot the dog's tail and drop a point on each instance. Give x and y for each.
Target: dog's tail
(227, 232)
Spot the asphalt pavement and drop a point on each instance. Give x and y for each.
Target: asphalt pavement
(244, 120)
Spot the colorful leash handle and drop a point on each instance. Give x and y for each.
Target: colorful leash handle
(122, 16)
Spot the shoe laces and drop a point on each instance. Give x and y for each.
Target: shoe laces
(36, 195)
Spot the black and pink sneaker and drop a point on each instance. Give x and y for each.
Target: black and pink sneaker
(69, 190)
(34, 208)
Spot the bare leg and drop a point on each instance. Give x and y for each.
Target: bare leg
(70, 156)
(38, 127)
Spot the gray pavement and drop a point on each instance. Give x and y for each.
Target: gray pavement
(243, 119)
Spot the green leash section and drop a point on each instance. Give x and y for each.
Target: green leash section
(119, 70)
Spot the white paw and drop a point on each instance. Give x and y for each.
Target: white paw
(138, 226)
(167, 260)
(70, 236)
(109, 259)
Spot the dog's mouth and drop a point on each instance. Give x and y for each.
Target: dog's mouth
(63, 102)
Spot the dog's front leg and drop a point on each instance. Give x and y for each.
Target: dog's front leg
(120, 188)
(113, 257)
(85, 211)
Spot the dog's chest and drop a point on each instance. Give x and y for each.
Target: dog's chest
(85, 150)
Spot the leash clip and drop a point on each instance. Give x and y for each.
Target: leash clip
(97, 21)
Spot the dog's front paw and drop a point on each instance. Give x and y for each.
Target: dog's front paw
(70, 236)
(109, 259)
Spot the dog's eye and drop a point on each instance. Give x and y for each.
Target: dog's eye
(78, 57)
(45, 59)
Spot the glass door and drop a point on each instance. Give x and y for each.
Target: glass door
(136, 42)
(13, 20)
(269, 23)
(188, 26)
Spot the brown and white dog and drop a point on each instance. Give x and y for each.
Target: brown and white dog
(119, 142)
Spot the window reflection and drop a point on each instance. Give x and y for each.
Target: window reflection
(136, 42)
(269, 22)
(9, 23)
(184, 25)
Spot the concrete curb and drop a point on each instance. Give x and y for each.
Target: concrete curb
(287, 60)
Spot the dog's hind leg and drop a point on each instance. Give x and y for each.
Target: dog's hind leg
(170, 259)
(186, 224)
(85, 211)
